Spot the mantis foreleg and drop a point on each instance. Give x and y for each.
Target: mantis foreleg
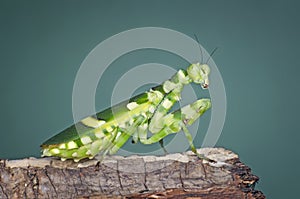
(178, 120)
(172, 88)
(172, 92)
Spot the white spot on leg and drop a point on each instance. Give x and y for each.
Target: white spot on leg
(151, 109)
(88, 152)
(75, 154)
(168, 86)
(182, 78)
(154, 96)
(72, 145)
(55, 151)
(118, 135)
(167, 104)
(132, 105)
(62, 146)
(86, 140)
(46, 153)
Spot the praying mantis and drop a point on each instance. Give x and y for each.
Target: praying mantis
(107, 131)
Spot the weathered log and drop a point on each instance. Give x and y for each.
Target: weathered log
(171, 176)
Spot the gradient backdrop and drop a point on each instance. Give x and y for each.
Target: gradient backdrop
(43, 43)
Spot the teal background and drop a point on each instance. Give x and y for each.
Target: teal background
(43, 43)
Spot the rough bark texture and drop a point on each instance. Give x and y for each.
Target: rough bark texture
(170, 176)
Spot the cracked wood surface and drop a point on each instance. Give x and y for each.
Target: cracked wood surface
(171, 176)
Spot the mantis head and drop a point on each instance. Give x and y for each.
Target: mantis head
(199, 74)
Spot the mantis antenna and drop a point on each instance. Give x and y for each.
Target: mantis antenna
(211, 54)
(199, 48)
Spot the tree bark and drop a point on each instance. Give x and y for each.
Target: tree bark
(171, 176)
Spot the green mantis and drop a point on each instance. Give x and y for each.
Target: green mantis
(109, 130)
